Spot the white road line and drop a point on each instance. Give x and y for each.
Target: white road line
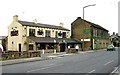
(108, 62)
(49, 66)
(116, 68)
(92, 71)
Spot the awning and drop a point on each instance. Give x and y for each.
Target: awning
(55, 40)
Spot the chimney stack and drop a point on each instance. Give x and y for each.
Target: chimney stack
(35, 21)
(61, 24)
(15, 18)
(113, 33)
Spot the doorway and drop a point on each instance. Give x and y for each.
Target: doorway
(62, 47)
(19, 46)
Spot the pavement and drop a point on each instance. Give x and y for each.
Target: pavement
(45, 56)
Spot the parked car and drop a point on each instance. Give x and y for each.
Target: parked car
(110, 48)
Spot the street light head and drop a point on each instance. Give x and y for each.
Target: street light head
(89, 5)
(94, 4)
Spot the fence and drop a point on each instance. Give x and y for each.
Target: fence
(17, 55)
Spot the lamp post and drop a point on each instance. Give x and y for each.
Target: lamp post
(83, 20)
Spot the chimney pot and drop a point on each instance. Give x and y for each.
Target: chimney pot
(35, 21)
(61, 24)
(15, 18)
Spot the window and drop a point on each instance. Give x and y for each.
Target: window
(40, 32)
(60, 33)
(47, 33)
(56, 34)
(64, 35)
(14, 33)
(31, 32)
(30, 46)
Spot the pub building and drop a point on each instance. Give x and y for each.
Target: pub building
(33, 36)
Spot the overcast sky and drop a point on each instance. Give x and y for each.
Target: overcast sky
(105, 13)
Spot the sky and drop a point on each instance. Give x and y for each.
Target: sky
(54, 12)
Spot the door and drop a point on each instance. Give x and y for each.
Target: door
(19, 47)
(62, 47)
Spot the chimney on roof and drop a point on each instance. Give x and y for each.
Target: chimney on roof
(113, 33)
(116, 34)
(35, 21)
(61, 24)
(15, 18)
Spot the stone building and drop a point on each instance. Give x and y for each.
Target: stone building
(32, 36)
(93, 36)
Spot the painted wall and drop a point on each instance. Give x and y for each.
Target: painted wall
(23, 33)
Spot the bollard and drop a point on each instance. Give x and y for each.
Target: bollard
(43, 52)
(54, 51)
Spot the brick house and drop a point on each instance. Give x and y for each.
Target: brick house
(93, 36)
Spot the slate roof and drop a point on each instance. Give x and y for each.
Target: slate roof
(95, 25)
(51, 40)
(92, 24)
(25, 23)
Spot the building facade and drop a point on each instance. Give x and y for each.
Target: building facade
(32, 36)
(115, 39)
(93, 36)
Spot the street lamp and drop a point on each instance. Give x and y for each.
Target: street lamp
(83, 17)
(86, 7)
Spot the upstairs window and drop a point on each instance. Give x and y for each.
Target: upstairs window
(47, 33)
(14, 33)
(40, 32)
(60, 33)
(31, 32)
(56, 34)
(64, 35)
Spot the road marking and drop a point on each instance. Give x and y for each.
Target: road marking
(116, 68)
(92, 71)
(49, 66)
(108, 62)
(51, 56)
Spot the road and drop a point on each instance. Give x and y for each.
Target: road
(93, 62)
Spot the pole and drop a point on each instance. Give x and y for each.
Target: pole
(84, 23)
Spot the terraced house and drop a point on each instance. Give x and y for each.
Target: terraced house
(32, 36)
(94, 36)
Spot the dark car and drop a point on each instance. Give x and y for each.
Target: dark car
(110, 48)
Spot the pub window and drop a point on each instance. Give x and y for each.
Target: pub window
(64, 35)
(31, 32)
(47, 33)
(56, 34)
(14, 33)
(60, 33)
(40, 32)
(30, 46)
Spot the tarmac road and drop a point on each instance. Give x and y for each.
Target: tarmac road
(93, 62)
